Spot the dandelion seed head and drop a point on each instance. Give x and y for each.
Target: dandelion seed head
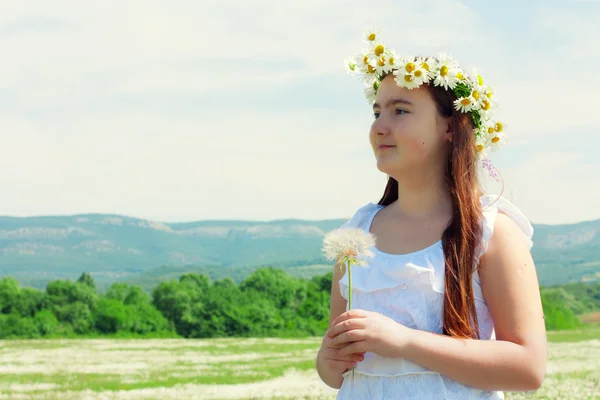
(348, 244)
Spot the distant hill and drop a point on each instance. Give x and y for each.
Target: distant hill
(112, 248)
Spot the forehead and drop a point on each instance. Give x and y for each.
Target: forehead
(389, 90)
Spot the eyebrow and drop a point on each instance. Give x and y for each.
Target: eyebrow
(393, 101)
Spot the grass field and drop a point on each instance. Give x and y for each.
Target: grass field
(230, 369)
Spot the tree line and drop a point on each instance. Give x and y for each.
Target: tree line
(267, 303)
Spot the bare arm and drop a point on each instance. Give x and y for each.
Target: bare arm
(517, 359)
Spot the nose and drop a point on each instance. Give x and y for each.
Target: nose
(380, 126)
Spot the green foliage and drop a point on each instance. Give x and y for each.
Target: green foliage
(557, 313)
(87, 280)
(46, 322)
(110, 316)
(269, 302)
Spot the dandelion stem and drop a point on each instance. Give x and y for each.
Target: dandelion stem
(349, 286)
(350, 294)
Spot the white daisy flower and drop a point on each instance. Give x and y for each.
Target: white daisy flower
(480, 92)
(371, 92)
(351, 66)
(378, 50)
(464, 104)
(410, 74)
(488, 92)
(448, 72)
(349, 245)
(427, 65)
(381, 64)
(363, 58)
(482, 140)
(370, 35)
(368, 75)
(392, 60)
(494, 127)
(498, 139)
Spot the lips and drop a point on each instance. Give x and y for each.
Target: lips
(385, 146)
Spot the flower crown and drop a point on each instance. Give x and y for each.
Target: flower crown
(473, 96)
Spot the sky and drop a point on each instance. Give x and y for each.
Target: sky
(186, 110)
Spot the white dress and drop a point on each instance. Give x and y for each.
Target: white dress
(409, 289)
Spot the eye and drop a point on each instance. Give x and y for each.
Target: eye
(401, 111)
(376, 114)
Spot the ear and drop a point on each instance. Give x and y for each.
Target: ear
(448, 134)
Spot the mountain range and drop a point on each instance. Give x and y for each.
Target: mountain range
(112, 248)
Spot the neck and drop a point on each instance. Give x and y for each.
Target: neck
(422, 194)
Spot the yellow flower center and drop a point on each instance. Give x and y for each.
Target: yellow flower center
(489, 94)
(444, 70)
(480, 80)
(372, 36)
(495, 139)
(465, 102)
(418, 73)
(425, 66)
(475, 95)
(370, 69)
(410, 67)
(479, 147)
(491, 130)
(379, 50)
(498, 127)
(460, 76)
(366, 59)
(408, 78)
(486, 105)
(381, 62)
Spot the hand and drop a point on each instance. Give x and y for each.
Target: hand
(336, 362)
(359, 331)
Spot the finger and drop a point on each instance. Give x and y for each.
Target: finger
(354, 313)
(344, 326)
(341, 365)
(353, 335)
(333, 355)
(354, 347)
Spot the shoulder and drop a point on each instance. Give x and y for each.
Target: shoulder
(361, 216)
(507, 236)
(503, 223)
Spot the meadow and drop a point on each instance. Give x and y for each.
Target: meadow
(230, 368)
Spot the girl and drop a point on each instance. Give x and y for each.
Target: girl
(449, 307)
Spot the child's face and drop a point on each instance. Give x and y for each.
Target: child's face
(408, 122)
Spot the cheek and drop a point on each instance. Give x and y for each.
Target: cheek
(414, 144)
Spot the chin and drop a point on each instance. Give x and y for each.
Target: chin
(389, 167)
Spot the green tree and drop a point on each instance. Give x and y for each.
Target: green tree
(557, 314)
(61, 293)
(127, 294)
(111, 315)
(274, 284)
(46, 322)
(9, 292)
(144, 318)
(15, 326)
(79, 316)
(88, 280)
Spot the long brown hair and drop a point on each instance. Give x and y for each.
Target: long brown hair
(461, 238)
